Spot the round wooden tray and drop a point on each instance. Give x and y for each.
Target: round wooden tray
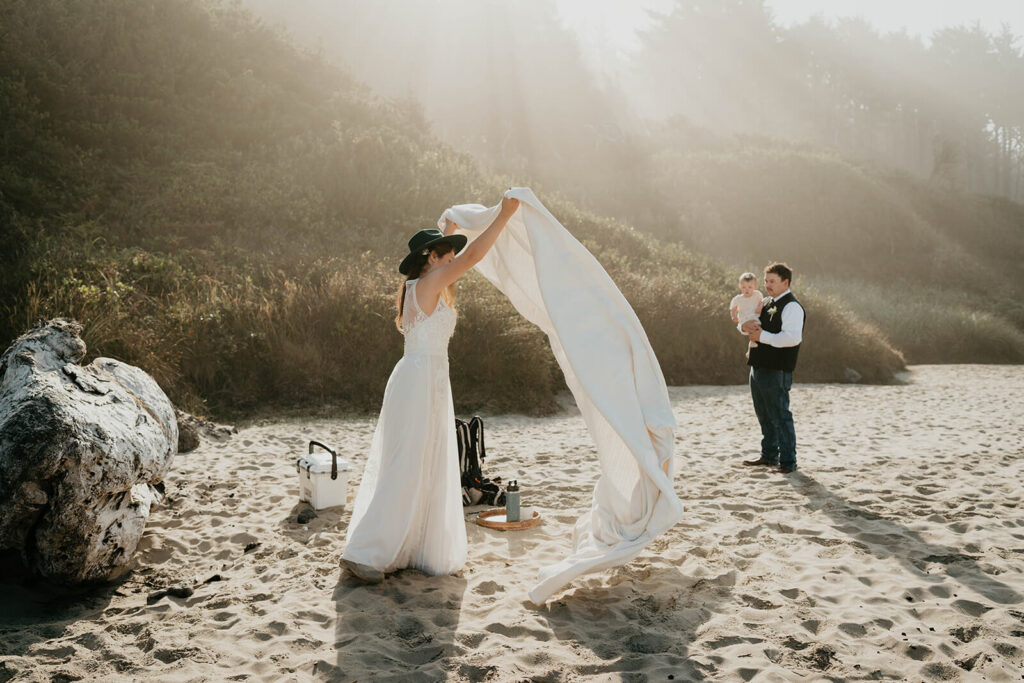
(482, 520)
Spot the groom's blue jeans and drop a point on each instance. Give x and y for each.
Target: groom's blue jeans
(770, 391)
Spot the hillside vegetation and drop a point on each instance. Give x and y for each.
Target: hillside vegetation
(939, 271)
(763, 142)
(227, 212)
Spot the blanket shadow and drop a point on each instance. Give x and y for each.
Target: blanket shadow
(885, 538)
(402, 629)
(640, 634)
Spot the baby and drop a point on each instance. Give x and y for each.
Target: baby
(747, 304)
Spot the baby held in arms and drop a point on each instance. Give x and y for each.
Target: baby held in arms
(746, 305)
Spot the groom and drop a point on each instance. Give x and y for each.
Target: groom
(778, 335)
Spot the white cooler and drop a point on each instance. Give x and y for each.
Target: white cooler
(323, 477)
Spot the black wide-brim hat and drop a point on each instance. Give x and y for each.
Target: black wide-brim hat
(425, 239)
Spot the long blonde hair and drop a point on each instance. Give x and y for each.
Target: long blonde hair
(418, 264)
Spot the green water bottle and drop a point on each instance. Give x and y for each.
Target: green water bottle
(512, 501)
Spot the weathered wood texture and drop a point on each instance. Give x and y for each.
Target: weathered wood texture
(83, 450)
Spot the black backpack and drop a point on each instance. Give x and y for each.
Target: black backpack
(476, 488)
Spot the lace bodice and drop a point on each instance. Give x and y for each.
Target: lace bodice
(426, 334)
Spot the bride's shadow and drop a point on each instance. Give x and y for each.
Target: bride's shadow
(636, 630)
(402, 629)
(885, 538)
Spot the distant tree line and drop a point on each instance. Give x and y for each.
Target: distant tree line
(951, 111)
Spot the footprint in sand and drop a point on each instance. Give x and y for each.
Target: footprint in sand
(471, 640)
(971, 608)
(811, 625)
(795, 644)
(918, 652)
(729, 641)
(758, 603)
(173, 655)
(855, 630)
(488, 588)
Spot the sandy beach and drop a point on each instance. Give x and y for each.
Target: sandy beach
(895, 552)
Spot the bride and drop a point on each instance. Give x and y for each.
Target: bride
(408, 512)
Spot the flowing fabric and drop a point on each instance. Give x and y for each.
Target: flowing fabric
(412, 516)
(608, 363)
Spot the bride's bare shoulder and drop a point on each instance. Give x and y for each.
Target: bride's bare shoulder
(428, 292)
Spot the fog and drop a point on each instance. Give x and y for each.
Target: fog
(511, 84)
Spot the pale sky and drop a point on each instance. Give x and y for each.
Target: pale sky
(919, 17)
(613, 23)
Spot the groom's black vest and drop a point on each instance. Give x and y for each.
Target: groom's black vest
(769, 357)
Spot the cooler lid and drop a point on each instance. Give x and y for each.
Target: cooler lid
(318, 462)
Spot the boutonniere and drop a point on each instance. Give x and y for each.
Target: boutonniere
(772, 311)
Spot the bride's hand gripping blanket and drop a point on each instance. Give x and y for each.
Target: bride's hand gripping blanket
(555, 283)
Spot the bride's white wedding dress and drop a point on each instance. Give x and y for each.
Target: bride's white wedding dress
(408, 512)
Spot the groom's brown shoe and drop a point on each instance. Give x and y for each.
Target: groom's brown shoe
(760, 461)
(786, 469)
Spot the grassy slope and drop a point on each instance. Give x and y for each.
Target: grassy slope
(937, 270)
(226, 212)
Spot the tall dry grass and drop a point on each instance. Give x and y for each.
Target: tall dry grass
(230, 340)
(931, 325)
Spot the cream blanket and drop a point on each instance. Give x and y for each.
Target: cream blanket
(556, 284)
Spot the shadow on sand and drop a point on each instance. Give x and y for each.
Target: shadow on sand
(400, 630)
(638, 635)
(885, 538)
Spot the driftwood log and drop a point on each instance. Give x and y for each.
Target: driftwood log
(83, 451)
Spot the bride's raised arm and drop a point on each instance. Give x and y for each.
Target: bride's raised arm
(437, 279)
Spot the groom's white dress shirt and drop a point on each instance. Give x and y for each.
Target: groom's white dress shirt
(792, 332)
